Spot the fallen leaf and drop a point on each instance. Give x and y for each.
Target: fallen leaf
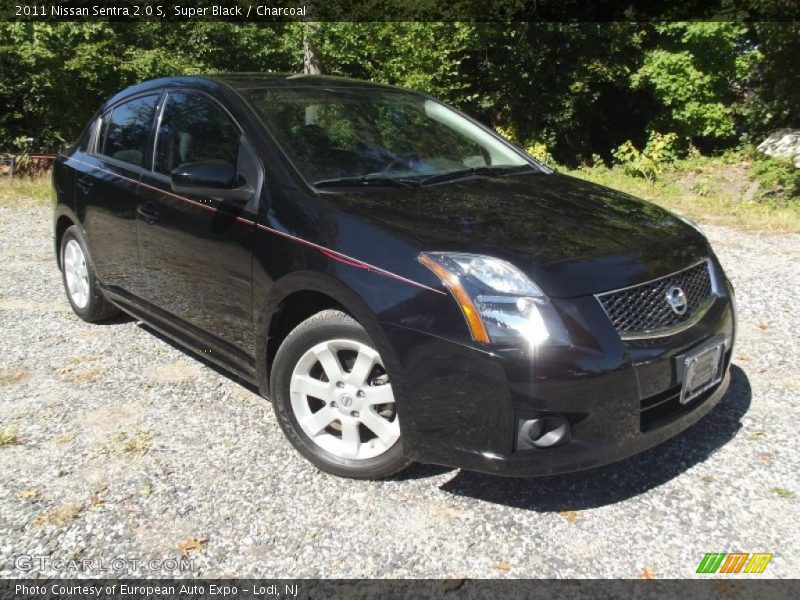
(28, 494)
(503, 566)
(569, 515)
(708, 478)
(192, 544)
(97, 501)
(762, 325)
(743, 356)
(767, 458)
(646, 573)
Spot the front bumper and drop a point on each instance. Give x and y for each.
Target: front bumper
(462, 404)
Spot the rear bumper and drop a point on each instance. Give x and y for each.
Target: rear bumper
(462, 405)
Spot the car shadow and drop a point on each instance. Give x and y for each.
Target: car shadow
(199, 358)
(621, 480)
(119, 319)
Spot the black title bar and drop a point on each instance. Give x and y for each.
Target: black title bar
(400, 10)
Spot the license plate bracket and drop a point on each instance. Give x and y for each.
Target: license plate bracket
(702, 370)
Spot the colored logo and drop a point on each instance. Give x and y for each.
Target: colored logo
(734, 562)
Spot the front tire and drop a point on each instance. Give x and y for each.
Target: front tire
(333, 399)
(77, 272)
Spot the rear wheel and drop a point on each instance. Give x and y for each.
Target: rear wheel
(334, 400)
(80, 283)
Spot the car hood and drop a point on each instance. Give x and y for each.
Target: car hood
(572, 237)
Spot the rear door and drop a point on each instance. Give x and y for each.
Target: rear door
(107, 181)
(196, 252)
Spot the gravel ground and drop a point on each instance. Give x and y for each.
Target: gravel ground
(128, 447)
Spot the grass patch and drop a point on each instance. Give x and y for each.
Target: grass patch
(8, 437)
(64, 439)
(25, 191)
(123, 442)
(134, 444)
(14, 376)
(88, 375)
(782, 492)
(71, 372)
(716, 190)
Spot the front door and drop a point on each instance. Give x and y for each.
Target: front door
(196, 252)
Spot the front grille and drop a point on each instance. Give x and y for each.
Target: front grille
(644, 309)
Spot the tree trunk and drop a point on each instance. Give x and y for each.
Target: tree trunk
(311, 60)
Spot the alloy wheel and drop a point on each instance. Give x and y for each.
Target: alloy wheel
(76, 274)
(343, 401)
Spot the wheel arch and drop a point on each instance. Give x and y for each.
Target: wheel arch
(320, 287)
(294, 298)
(63, 219)
(313, 292)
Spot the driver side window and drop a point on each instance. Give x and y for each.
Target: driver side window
(126, 129)
(194, 129)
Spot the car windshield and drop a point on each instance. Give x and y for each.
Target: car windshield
(351, 136)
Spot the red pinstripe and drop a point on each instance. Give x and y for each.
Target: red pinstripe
(332, 254)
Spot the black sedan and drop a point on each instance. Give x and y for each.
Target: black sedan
(400, 281)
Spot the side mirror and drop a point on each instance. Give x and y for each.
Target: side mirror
(215, 178)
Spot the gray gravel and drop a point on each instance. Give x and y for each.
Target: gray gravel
(128, 447)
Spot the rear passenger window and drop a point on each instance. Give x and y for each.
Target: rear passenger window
(193, 129)
(126, 130)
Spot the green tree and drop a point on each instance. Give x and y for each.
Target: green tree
(698, 73)
(775, 96)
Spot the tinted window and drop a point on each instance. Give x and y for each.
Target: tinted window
(193, 129)
(350, 133)
(86, 136)
(126, 130)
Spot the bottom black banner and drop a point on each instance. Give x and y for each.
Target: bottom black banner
(408, 589)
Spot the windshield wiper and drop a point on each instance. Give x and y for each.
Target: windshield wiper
(366, 180)
(475, 171)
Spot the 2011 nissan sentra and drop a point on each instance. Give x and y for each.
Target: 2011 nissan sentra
(402, 283)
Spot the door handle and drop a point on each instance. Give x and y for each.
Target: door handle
(148, 212)
(85, 183)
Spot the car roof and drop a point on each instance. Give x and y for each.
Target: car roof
(249, 81)
(245, 81)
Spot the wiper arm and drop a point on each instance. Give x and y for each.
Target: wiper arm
(474, 171)
(365, 180)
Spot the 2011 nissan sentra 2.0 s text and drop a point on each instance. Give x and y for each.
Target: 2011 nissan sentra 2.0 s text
(400, 281)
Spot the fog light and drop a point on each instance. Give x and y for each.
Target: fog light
(544, 431)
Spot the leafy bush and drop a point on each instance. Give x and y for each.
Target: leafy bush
(778, 179)
(539, 151)
(661, 149)
(535, 148)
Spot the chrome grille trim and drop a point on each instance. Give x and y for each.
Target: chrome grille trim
(697, 312)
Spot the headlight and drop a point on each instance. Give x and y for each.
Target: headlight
(500, 304)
